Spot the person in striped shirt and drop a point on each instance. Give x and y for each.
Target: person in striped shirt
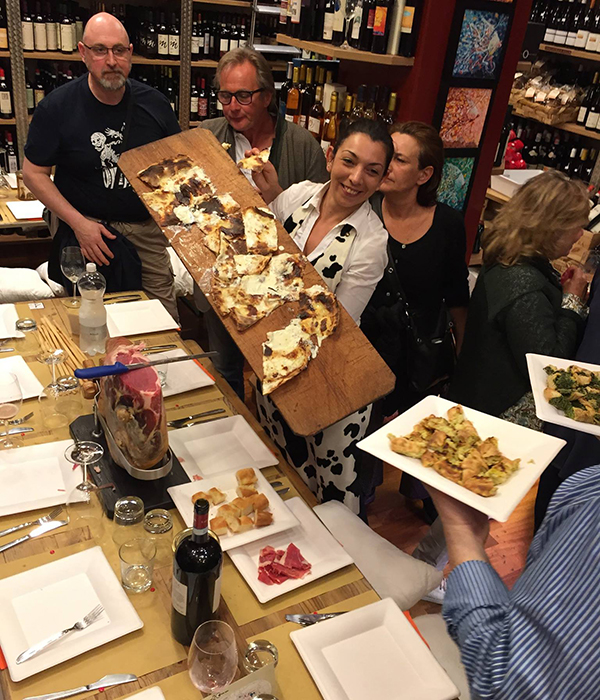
(539, 640)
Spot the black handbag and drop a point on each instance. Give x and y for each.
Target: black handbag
(430, 359)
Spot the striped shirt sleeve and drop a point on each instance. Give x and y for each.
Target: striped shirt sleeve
(540, 639)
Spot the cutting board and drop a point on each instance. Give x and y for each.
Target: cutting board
(346, 375)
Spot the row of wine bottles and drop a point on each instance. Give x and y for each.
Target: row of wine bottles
(51, 27)
(380, 26)
(574, 23)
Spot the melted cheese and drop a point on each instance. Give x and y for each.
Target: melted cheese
(261, 231)
(184, 214)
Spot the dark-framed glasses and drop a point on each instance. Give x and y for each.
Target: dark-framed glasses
(99, 51)
(244, 97)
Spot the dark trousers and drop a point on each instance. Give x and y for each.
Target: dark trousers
(230, 361)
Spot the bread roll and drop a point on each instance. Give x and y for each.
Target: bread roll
(245, 523)
(263, 519)
(216, 496)
(200, 494)
(244, 505)
(259, 502)
(219, 526)
(246, 491)
(246, 477)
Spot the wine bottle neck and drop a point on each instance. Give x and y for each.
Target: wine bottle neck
(200, 527)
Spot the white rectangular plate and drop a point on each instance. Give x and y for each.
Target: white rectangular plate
(283, 519)
(316, 544)
(544, 410)
(220, 446)
(535, 450)
(138, 317)
(26, 210)
(181, 376)
(154, 693)
(372, 652)
(30, 386)
(8, 318)
(49, 598)
(40, 477)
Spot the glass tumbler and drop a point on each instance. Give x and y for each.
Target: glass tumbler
(137, 564)
(158, 526)
(129, 519)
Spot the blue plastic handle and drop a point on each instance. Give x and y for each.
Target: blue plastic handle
(101, 371)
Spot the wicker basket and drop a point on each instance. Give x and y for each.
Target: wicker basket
(545, 114)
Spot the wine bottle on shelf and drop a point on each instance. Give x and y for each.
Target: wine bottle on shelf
(593, 114)
(51, 29)
(582, 165)
(151, 37)
(223, 40)
(409, 32)
(39, 29)
(285, 86)
(295, 12)
(174, 38)
(292, 106)
(202, 100)
(308, 12)
(206, 46)
(316, 114)
(586, 173)
(243, 34)
(38, 91)
(561, 23)
(503, 142)
(572, 20)
(195, 49)
(587, 101)
(234, 37)
(381, 26)
(3, 30)
(328, 13)
(213, 110)
(329, 131)
(346, 115)
(66, 35)
(339, 22)
(30, 97)
(550, 33)
(358, 111)
(11, 155)
(370, 111)
(6, 110)
(196, 585)
(366, 29)
(579, 21)
(162, 37)
(570, 166)
(283, 9)
(593, 40)
(193, 103)
(307, 98)
(27, 27)
(388, 117)
(355, 25)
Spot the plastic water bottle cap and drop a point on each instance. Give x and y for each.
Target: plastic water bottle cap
(90, 267)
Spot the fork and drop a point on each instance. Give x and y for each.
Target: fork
(40, 521)
(88, 620)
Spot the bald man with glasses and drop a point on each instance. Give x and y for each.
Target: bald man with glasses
(81, 129)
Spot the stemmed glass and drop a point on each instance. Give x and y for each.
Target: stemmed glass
(52, 358)
(72, 264)
(11, 398)
(85, 453)
(351, 12)
(212, 659)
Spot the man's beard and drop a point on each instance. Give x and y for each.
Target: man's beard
(116, 84)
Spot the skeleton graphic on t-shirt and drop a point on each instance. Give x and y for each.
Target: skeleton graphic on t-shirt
(105, 143)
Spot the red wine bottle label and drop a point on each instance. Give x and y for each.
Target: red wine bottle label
(380, 21)
(371, 19)
(179, 596)
(200, 524)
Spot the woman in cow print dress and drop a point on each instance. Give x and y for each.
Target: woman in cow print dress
(336, 228)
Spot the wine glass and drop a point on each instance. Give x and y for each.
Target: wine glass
(212, 659)
(52, 358)
(11, 398)
(85, 453)
(351, 12)
(72, 264)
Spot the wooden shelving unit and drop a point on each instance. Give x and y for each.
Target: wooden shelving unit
(574, 53)
(571, 128)
(345, 54)
(226, 3)
(4, 54)
(8, 122)
(74, 56)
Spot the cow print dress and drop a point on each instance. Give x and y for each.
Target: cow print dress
(326, 461)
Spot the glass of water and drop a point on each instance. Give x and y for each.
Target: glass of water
(137, 564)
(212, 659)
(72, 264)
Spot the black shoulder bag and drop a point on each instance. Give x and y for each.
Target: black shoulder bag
(429, 360)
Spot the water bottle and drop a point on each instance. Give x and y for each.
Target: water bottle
(92, 314)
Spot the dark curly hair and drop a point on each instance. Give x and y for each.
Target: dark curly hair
(376, 131)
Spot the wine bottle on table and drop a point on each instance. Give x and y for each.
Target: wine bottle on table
(196, 586)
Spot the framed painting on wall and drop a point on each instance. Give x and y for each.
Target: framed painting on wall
(481, 42)
(464, 116)
(456, 180)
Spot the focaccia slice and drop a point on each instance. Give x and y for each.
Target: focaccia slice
(155, 174)
(319, 312)
(255, 163)
(261, 230)
(286, 353)
(164, 204)
(250, 264)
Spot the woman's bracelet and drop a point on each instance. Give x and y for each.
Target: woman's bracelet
(573, 303)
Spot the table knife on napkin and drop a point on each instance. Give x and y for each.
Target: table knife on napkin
(180, 422)
(120, 368)
(17, 431)
(104, 682)
(306, 619)
(41, 530)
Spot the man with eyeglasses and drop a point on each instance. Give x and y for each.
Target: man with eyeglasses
(246, 92)
(82, 128)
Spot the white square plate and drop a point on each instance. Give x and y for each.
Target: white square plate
(316, 544)
(372, 652)
(181, 376)
(30, 386)
(38, 476)
(138, 317)
(545, 411)
(220, 446)
(8, 318)
(535, 450)
(49, 598)
(26, 210)
(154, 693)
(283, 519)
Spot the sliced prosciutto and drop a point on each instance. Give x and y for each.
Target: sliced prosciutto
(133, 408)
(276, 565)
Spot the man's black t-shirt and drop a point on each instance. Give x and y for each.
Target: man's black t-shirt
(83, 138)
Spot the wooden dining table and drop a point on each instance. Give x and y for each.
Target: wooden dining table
(151, 653)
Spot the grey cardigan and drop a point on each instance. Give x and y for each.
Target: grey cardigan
(296, 155)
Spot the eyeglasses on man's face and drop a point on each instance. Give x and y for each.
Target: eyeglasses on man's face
(243, 97)
(100, 51)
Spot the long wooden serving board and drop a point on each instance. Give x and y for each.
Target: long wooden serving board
(346, 375)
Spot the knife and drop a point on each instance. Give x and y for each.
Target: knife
(307, 619)
(123, 297)
(104, 682)
(120, 368)
(180, 422)
(41, 530)
(160, 348)
(16, 431)
(122, 301)
(7, 349)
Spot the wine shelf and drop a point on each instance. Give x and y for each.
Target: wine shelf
(7, 122)
(566, 51)
(4, 54)
(74, 56)
(571, 128)
(227, 3)
(347, 54)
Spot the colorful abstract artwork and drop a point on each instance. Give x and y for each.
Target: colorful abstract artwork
(479, 51)
(454, 186)
(464, 117)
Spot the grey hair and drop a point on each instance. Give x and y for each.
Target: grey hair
(244, 54)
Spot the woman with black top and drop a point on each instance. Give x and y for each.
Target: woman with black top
(426, 265)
